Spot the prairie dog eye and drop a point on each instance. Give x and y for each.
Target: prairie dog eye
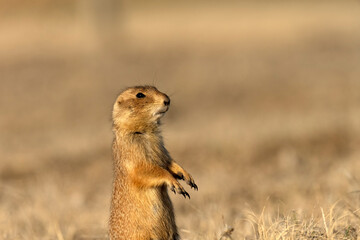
(140, 95)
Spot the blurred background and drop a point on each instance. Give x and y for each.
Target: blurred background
(265, 109)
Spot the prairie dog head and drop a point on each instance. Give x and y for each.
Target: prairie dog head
(137, 108)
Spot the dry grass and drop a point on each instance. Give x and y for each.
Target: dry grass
(265, 115)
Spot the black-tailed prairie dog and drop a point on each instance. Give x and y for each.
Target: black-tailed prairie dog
(143, 169)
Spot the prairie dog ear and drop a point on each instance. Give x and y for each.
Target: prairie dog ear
(120, 100)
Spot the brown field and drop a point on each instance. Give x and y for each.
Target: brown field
(265, 114)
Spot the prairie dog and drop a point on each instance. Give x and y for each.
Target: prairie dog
(143, 169)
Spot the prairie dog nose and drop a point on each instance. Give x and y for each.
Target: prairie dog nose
(167, 101)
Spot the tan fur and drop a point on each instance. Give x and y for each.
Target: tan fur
(143, 169)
